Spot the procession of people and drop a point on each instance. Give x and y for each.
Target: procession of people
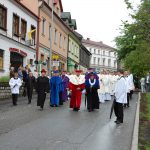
(97, 88)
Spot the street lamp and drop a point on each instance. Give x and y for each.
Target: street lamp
(51, 39)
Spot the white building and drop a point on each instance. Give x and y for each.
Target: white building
(16, 21)
(103, 56)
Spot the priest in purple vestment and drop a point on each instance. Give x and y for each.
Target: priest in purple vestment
(65, 82)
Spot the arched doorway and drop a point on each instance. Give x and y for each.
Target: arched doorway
(16, 60)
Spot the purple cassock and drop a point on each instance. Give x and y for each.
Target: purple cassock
(65, 83)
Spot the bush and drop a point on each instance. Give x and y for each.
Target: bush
(4, 79)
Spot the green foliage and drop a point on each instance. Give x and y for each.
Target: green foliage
(4, 79)
(134, 42)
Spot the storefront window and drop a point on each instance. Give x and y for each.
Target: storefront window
(1, 59)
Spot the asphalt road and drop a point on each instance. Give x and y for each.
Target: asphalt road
(26, 128)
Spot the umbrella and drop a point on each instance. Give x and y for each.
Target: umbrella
(112, 108)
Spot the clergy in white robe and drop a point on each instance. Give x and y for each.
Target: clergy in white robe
(15, 84)
(120, 98)
(101, 91)
(106, 81)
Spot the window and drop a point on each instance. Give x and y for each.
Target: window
(33, 34)
(60, 41)
(109, 62)
(31, 61)
(72, 48)
(15, 25)
(114, 63)
(98, 61)
(94, 51)
(42, 57)
(3, 17)
(69, 45)
(43, 26)
(109, 53)
(65, 43)
(55, 37)
(103, 61)
(50, 32)
(104, 53)
(94, 60)
(90, 50)
(99, 52)
(23, 29)
(1, 59)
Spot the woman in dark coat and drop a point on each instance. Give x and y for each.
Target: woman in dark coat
(91, 86)
(43, 87)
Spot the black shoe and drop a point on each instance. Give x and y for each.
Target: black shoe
(115, 121)
(52, 105)
(89, 110)
(41, 109)
(118, 122)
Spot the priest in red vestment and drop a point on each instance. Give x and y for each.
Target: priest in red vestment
(76, 85)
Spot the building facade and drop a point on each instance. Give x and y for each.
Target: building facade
(59, 38)
(85, 58)
(73, 59)
(59, 42)
(103, 56)
(16, 21)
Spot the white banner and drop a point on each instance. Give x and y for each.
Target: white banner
(56, 63)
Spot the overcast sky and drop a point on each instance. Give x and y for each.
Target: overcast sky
(98, 19)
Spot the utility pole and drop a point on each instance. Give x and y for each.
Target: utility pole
(51, 40)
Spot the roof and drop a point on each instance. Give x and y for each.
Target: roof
(79, 35)
(98, 44)
(66, 16)
(73, 23)
(49, 8)
(17, 1)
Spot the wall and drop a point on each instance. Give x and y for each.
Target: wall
(73, 50)
(30, 3)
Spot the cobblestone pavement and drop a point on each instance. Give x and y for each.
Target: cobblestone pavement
(26, 128)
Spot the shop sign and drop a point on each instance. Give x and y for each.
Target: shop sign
(55, 63)
(18, 51)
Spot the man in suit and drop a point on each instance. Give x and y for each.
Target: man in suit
(147, 82)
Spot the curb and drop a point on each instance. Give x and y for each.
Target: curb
(134, 145)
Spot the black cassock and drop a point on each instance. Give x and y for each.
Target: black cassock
(92, 95)
(30, 84)
(43, 87)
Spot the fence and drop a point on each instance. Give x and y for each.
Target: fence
(5, 91)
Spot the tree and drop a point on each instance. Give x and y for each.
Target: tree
(134, 42)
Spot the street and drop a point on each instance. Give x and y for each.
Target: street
(26, 128)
